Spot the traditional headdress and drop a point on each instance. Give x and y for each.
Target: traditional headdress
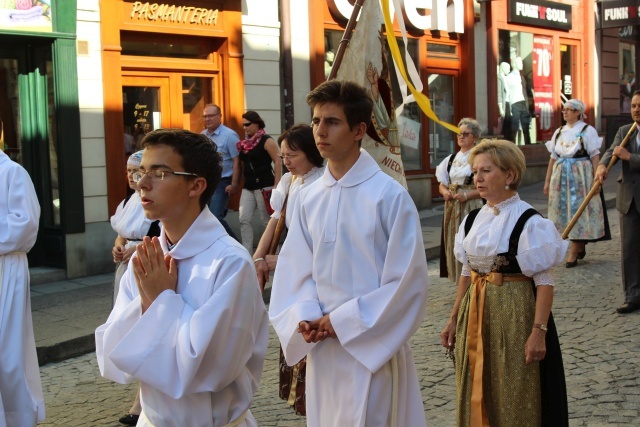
(576, 104)
(135, 159)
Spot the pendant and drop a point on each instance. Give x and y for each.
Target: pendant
(496, 211)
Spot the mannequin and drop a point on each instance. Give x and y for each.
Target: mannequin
(329, 57)
(503, 88)
(520, 116)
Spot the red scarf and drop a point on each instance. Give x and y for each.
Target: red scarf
(249, 143)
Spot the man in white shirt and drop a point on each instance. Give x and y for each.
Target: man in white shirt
(351, 284)
(189, 322)
(21, 400)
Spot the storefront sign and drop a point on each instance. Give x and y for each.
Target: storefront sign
(543, 99)
(443, 15)
(545, 14)
(620, 13)
(26, 15)
(173, 13)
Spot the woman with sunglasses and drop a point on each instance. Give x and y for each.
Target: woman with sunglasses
(575, 153)
(257, 152)
(460, 195)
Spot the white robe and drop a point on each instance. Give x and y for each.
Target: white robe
(354, 250)
(21, 399)
(198, 352)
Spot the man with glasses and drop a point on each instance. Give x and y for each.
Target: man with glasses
(189, 322)
(225, 139)
(628, 204)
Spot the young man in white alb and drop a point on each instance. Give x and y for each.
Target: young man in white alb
(189, 322)
(352, 281)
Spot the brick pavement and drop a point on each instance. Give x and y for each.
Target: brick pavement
(600, 348)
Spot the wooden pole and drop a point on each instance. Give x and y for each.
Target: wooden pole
(345, 39)
(596, 186)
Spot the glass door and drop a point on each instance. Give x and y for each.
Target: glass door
(145, 107)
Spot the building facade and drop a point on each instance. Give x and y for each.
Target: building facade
(81, 93)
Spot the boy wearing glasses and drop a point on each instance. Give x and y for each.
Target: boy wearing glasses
(225, 139)
(189, 322)
(351, 284)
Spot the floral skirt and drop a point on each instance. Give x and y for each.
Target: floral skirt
(571, 181)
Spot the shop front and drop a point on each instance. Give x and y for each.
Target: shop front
(618, 42)
(440, 43)
(162, 63)
(39, 119)
(540, 55)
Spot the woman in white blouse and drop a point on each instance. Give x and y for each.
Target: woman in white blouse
(575, 153)
(459, 193)
(507, 357)
(301, 156)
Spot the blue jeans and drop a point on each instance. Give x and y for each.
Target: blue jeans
(218, 204)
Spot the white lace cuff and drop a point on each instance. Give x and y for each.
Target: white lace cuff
(466, 271)
(543, 278)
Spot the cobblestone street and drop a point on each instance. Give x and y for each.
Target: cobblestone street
(601, 352)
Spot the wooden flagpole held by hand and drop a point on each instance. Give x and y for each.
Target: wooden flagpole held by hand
(596, 186)
(345, 39)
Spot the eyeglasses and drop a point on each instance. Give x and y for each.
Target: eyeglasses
(158, 175)
(210, 116)
(246, 125)
(290, 157)
(464, 134)
(573, 110)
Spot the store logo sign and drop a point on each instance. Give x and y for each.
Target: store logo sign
(616, 14)
(172, 13)
(539, 13)
(443, 15)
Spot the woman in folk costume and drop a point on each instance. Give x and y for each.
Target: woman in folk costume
(258, 151)
(575, 154)
(304, 162)
(460, 195)
(21, 400)
(132, 225)
(507, 357)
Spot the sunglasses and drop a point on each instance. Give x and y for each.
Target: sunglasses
(464, 134)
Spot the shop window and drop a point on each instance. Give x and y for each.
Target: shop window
(441, 94)
(10, 138)
(178, 47)
(409, 117)
(518, 52)
(626, 67)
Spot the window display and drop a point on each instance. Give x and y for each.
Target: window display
(519, 116)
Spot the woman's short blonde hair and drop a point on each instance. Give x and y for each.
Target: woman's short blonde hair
(504, 154)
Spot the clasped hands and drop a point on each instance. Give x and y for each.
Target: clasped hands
(317, 330)
(154, 271)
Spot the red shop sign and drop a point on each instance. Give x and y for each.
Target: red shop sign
(543, 98)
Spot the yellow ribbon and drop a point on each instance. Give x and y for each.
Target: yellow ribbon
(475, 346)
(422, 99)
